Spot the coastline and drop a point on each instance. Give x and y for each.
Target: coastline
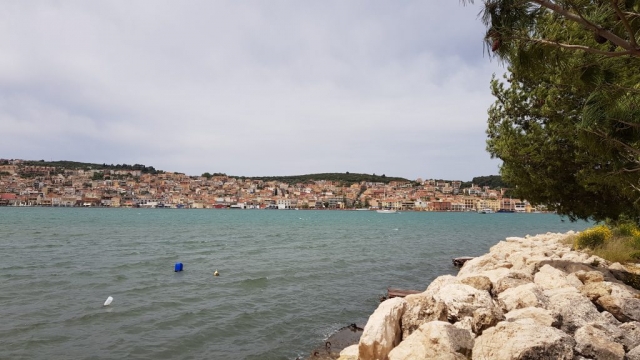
(531, 297)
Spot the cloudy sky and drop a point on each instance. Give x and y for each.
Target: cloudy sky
(248, 87)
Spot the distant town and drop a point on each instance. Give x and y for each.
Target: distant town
(68, 184)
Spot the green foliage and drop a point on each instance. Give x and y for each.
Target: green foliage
(207, 175)
(626, 229)
(344, 178)
(493, 181)
(98, 176)
(593, 237)
(74, 165)
(566, 121)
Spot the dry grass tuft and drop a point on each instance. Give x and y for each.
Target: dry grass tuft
(617, 250)
(569, 240)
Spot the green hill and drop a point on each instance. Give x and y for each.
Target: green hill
(75, 165)
(345, 178)
(493, 181)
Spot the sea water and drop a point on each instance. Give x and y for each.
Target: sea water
(288, 279)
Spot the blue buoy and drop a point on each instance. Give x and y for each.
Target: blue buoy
(178, 267)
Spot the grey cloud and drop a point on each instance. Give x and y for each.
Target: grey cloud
(249, 88)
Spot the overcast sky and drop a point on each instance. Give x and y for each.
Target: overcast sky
(248, 87)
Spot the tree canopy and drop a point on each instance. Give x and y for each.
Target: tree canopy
(566, 121)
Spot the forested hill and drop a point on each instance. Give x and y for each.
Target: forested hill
(347, 178)
(75, 165)
(493, 181)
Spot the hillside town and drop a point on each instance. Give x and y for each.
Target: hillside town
(24, 184)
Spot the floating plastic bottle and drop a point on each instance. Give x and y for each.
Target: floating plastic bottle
(178, 267)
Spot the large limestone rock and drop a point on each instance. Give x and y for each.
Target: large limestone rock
(435, 340)
(621, 290)
(527, 295)
(575, 257)
(421, 307)
(576, 310)
(349, 353)
(540, 316)
(382, 332)
(597, 344)
(452, 302)
(631, 334)
(634, 354)
(624, 309)
(589, 276)
(511, 280)
(459, 301)
(479, 282)
(595, 290)
(477, 265)
(551, 278)
(440, 282)
(523, 340)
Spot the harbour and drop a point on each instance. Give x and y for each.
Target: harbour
(288, 280)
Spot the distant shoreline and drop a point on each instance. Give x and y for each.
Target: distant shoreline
(235, 209)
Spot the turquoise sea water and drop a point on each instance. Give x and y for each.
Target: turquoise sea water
(288, 279)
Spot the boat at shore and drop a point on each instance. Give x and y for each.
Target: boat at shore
(486, 211)
(386, 211)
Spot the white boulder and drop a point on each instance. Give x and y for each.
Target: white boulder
(435, 340)
(382, 331)
(522, 340)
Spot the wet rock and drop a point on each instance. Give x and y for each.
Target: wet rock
(382, 332)
(523, 340)
(435, 340)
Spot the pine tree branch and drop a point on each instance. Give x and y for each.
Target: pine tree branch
(632, 35)
(606, 137)
(628, 123)
(596, 28)
(583, 48)
(577, 10)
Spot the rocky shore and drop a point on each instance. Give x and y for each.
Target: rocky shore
(528, 298)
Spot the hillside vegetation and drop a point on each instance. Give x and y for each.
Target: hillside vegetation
(346, 178)
(494, 181)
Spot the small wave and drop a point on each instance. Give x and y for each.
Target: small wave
(260, 282)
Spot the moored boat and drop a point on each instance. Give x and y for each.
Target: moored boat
(386, 211)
